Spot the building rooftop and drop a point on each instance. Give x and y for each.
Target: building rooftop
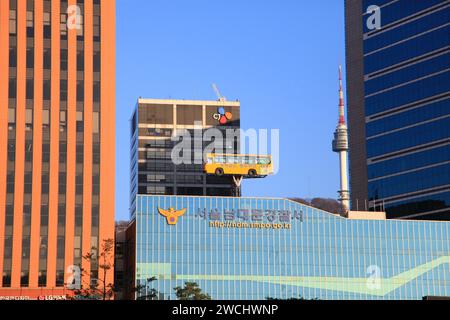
(190, 102)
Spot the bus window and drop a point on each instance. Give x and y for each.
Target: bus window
(231, 160)
(219, 160)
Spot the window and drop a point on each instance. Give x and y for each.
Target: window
(63, 25)
(12, 22)
(11, 116)
(95, 122)
(45, 118)
(47, 26)
(30, 58)
(97, 59)
(48, 58)
(80, 28)
(80, 91)
(30, 89)
(64, 56)
(80, 123)
(29, 119)
(12, 88)
(96, 91)
(47, 89)
(12, 57)
(80, 60)
(30, 19)
(263, 161)
(63, 90)
(62, 117)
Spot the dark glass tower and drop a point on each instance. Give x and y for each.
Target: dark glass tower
(399, 107)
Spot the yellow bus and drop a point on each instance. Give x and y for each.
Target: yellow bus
(238, 164)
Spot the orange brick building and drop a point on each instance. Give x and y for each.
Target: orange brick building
(57, 141)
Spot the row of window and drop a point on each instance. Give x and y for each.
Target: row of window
(407, 94)
(47, 17)
(413, 48)
(409, 162)
(401, 9)
(410, 182)
(96, 91)
(415, 136)
(409, 73)
(407, 30)
(423, 204)
(409, 117)
(62, 120)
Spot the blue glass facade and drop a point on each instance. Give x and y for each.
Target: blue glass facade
(254, 248)
(407, 108)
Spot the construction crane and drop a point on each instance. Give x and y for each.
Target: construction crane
(219, 96)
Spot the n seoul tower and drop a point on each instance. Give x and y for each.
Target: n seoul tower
(340, 145)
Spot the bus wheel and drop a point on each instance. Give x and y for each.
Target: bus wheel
(252, 173)
(219, 172)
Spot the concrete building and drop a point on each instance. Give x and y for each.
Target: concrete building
(398, 81)
(120, 259)
(155, 128)
(57, 141)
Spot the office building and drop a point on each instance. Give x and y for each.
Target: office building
(120, 258)
(157, 127)
(57, 141)
(398, 79)
(258, 248)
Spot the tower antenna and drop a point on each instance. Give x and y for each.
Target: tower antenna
(340, 146)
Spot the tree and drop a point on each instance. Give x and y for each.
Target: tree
(191, 291)
(143, 289)
(99, 288)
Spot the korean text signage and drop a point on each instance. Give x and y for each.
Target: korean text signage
(239, 218)
(250, 218)
(51, 297)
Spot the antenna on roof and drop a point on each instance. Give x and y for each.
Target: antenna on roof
(219, 95)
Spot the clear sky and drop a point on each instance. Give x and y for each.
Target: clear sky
(278, 57)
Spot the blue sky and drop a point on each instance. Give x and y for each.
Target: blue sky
(279, 58)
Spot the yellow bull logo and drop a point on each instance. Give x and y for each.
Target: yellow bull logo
(171, 215)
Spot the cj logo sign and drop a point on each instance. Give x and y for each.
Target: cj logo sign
(223, 117)
(374, 19)
(74, 17)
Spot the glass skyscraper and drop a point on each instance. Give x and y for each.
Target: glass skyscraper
(258, 248)
(399, 106)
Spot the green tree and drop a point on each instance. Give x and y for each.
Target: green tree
(99, 288)
(145, 292)
(191, 291)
